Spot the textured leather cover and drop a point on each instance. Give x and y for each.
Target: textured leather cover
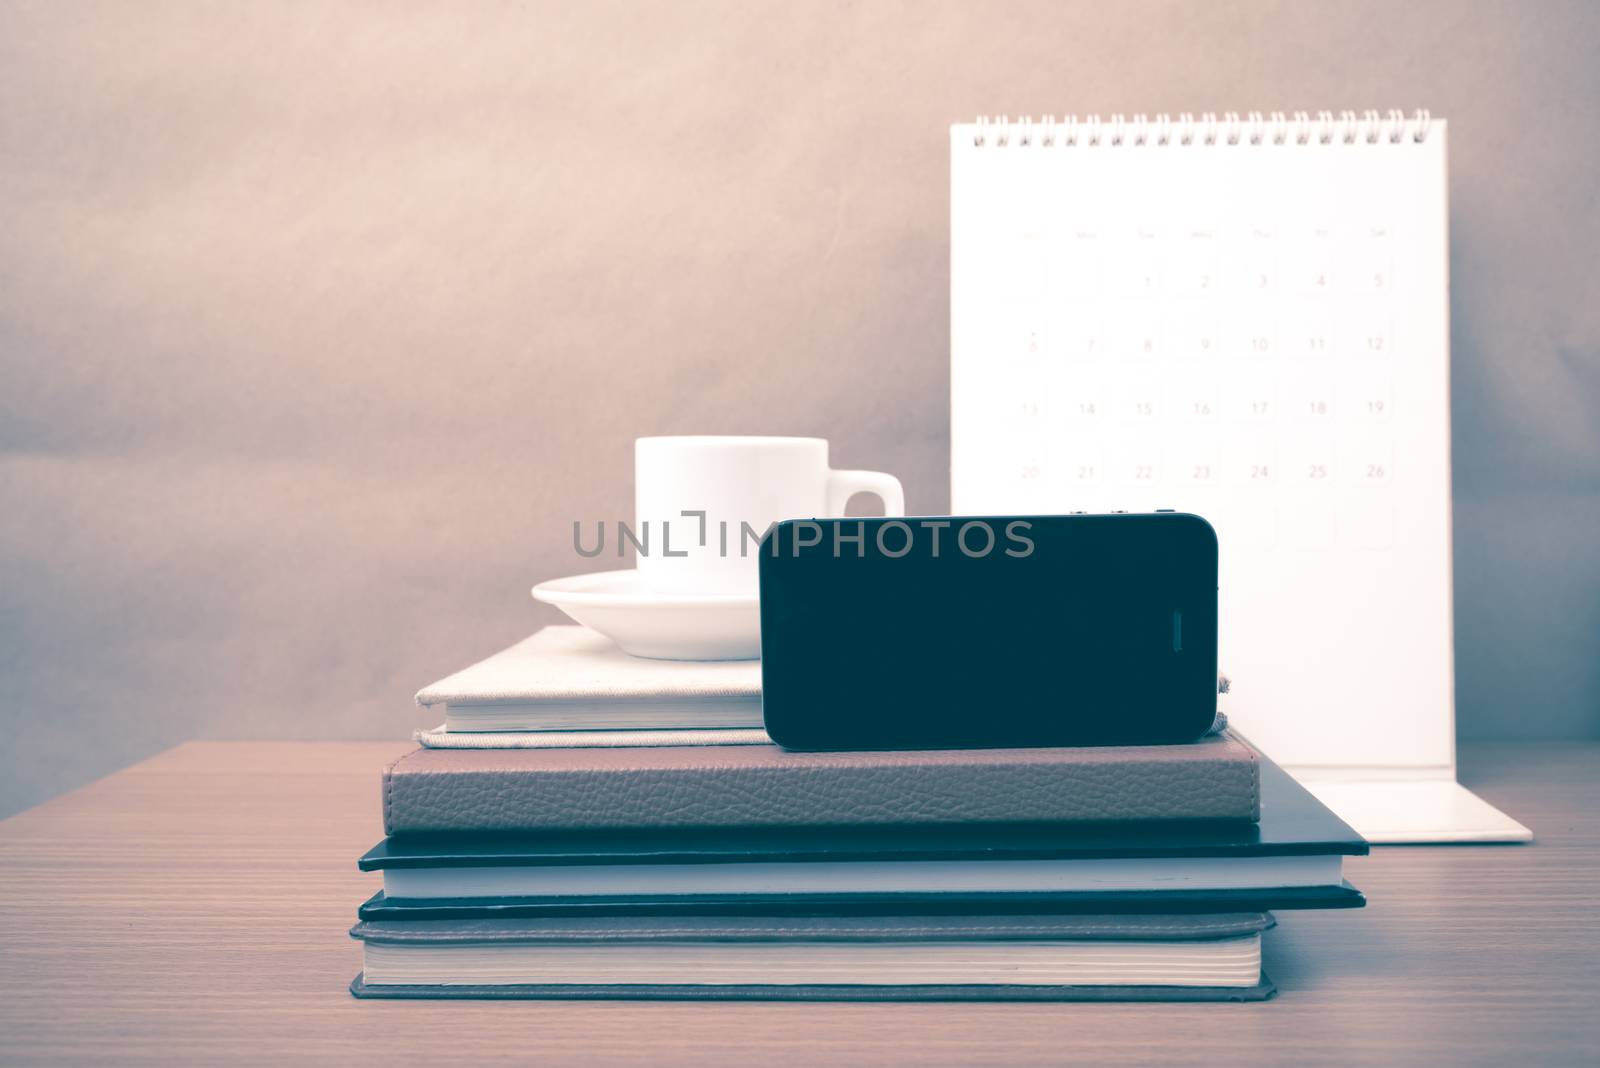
(1293, 823)
(1215, 778)
(380, 908)
(821, 929)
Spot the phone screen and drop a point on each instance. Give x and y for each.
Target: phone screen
(973, 631)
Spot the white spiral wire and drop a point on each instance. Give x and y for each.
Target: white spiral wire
(1255, 128)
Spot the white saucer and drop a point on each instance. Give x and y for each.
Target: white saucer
(662, 626)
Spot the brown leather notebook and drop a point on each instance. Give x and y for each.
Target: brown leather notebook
(1216, 778)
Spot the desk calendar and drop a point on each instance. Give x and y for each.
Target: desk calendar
(1246, 319)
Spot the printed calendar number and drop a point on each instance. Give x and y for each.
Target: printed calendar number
(1310, 461)
(1256, 338)
(1135, 265)
(1251, 461)
(1079, 463)
(1312, 397)
(1257, 272)
(1368, 458)
(1371, 330)
(1076, 331)
(1365, 395)
(1081, 397)
(1313, 335)
(1250, 397)
(1140, 398)
(1314, 256)
(1194, 398)
(1195, 335)
(1194, 464)
(1134, 462)
(1371, 259)
(1136, 334)
(1193, 265)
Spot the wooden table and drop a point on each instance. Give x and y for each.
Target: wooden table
(193, 908)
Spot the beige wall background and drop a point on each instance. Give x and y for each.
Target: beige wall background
(320, 323)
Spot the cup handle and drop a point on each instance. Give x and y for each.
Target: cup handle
(842, 485)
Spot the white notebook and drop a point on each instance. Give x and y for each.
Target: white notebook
(1223, 962)
(1248, 319)
(572, 679)
(827, 957)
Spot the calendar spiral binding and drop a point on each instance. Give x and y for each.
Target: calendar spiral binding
(1253, 128)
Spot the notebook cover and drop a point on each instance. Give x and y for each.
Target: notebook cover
(1108, 927)
(569, 663)
(875, 929)
(441, 737)
(380, 908)
(985, 992)
(763, 786)
(1293, 822)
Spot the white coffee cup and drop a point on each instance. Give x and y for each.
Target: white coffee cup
(702, 504)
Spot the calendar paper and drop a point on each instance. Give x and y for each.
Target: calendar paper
(1247, 320)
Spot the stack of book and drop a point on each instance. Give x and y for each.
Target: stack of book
(588, 825)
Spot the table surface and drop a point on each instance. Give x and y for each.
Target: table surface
(194, 908)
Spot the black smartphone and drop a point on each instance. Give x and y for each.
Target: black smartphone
(982, 631)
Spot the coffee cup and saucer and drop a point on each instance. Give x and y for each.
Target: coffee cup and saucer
(702, 505)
